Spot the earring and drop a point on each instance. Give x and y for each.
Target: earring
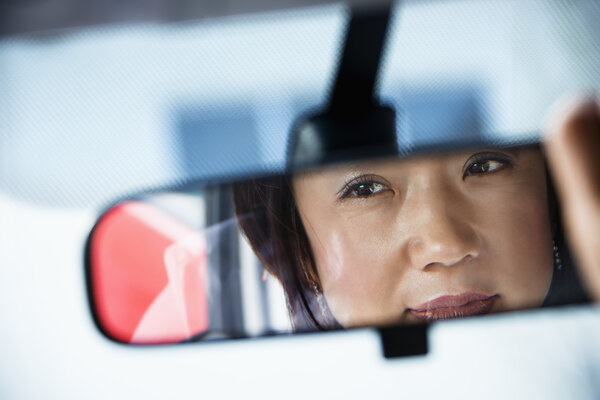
(557, 261)
(319, 297)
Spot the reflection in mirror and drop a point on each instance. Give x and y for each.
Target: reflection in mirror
(169, 266)
(376, 242)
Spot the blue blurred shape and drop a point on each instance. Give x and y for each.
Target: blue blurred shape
(218, 141)
(447, 116)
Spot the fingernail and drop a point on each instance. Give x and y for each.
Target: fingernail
(572, 112)
(587, 110)
(584, 119)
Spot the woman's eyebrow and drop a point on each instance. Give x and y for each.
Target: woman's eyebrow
(345, 169)
(513, 152)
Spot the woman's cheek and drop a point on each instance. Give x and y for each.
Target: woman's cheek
(354, 269)
(516, 236)
(536, 269)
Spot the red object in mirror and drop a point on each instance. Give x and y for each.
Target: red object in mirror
(148, 275)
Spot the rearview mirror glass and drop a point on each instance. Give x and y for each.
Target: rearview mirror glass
(367, 243)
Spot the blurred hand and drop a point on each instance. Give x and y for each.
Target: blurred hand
(573, 150)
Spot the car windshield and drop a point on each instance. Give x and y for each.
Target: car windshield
(191, 124)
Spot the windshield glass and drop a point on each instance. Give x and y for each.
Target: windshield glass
(90, 114)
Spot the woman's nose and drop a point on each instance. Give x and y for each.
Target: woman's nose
(442, 233)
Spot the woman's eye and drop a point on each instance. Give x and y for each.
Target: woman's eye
(362, 189)
(483, 166)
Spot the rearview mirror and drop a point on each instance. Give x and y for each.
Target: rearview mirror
(367, 243)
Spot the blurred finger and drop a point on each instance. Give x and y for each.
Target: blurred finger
(573, 152)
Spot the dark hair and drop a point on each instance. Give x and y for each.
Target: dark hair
(268, 216)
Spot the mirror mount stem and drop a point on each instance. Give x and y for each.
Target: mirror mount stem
(354, 84)
(354, 124)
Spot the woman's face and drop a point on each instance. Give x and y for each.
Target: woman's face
(430, 237)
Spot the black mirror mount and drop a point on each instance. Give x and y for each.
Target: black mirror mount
(326, 138)
(355, 124)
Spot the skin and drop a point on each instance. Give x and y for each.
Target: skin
(426, 227)
(573, 149)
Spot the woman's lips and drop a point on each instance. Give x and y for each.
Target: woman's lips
(455, 306)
